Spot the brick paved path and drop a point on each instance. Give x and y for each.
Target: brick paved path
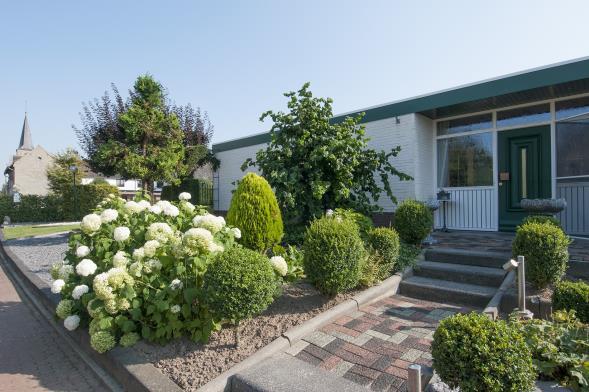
(33, 356)
(374, 346)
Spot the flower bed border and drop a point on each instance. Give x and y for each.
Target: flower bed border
(131, 371)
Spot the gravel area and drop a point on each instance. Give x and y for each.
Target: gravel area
(190, 364)
(40, 253)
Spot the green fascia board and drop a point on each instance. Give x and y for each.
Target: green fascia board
(521, 81)
(243, 142)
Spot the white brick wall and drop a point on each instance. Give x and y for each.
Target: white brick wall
(413, 134)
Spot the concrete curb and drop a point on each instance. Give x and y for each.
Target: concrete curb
(493, 308)
(124, 365)
(388, 287)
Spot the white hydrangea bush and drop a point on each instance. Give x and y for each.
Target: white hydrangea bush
(135, 271)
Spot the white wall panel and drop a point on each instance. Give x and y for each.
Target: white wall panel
(575, 219)
(470, 209)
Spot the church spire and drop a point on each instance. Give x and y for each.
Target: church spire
(26, 141)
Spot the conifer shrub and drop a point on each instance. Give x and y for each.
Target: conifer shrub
(475, 353)
(413, 221)
(570, 295)
(545, 248)
(541, 219)
(254, 210)
(239, 284)
(384, 246)
(334, 254)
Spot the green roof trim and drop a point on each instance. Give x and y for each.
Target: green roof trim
(247, 141)
(526, 80)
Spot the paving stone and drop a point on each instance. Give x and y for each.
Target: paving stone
(358, 379)
(330, 363)
(411, 355)
(343, 320)
(317, 352)
(398, 337)
(305, 356)
(297, 347)
(365, 371)
(377, 334)
(319, 338)
(342, 367)
(398, 372)
(361, 340)
(356, 314)
(386, 382)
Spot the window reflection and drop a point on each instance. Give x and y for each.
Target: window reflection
(465, 161)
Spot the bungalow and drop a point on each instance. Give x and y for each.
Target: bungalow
(489, 144)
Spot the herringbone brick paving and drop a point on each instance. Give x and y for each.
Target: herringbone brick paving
(375, 345)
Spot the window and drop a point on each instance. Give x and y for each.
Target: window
(465, 161)
(572, 146)
(521, 116)
(465, 124)
(570, 108)
(120, 183)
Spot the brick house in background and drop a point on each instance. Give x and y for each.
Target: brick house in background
(27, 173)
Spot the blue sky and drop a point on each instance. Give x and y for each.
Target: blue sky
(234, 59)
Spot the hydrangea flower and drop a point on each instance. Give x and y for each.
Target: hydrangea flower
(117, 277)
(65, 271)
(86, 267)
(236, 232)
(155, 209)
(172, 211)
(57, 286)
(144, 204)
(132, 207)
(102, 341)
(109, 215)
(150, 247)
(71, 322)
(176, 284)
(91, 223)
(197, 240)
(184, 196)
(129, 339)
(159, 231)
(135, 269)
(82, 251)
(138, 254)
(210, 222)
(121, 234)
(154, 264)
(188, 206)
(175, 309)
(120, 259)
(279, 265)
(79, 291)
(64, 308)
(101, 287)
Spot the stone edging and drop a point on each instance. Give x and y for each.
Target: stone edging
(388, 287)
(125, 366)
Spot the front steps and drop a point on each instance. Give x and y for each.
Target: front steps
(456, 276)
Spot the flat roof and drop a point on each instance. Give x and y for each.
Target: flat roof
(554, 80)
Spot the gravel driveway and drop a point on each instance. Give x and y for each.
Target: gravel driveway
(40, 253)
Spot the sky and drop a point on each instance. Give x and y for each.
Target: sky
(235, 59)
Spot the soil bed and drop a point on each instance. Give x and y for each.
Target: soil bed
(191, 365)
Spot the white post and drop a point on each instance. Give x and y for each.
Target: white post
(521, 284)
(414, 379)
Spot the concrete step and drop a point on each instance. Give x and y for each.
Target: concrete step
(285, 373)
(468, 257)
(446, 291)
(483, 276)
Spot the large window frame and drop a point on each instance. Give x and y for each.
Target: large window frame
(494, 131)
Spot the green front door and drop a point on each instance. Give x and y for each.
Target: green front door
(524, 171)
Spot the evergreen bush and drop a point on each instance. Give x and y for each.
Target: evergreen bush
(239, 284)
(474, 353)
(384, 245)
(364, 223)
(334, 254)
(201, 190)
(413, 221)
(545, 248)
(570, 295)
(254, 210)
(541, 219)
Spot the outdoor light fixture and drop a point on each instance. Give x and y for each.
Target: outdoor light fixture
(444, 197)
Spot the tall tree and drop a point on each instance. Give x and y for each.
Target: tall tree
(314, 164)
(100, 124)
(59, 174)
(151, 144)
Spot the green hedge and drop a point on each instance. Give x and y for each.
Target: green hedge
(200, 189)
(413, 221)
(572, 296)
(55, 208)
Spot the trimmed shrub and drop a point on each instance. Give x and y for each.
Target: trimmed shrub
(200, 189)
(239, 284)
(32, 208)
(369, 271)
(384, 245)
(474, 353)
(541, 219)
(334, 253)
(85, 199)
(364, 223)
(254, 210)
(545, 248)
(413, 221)
(570, 295)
